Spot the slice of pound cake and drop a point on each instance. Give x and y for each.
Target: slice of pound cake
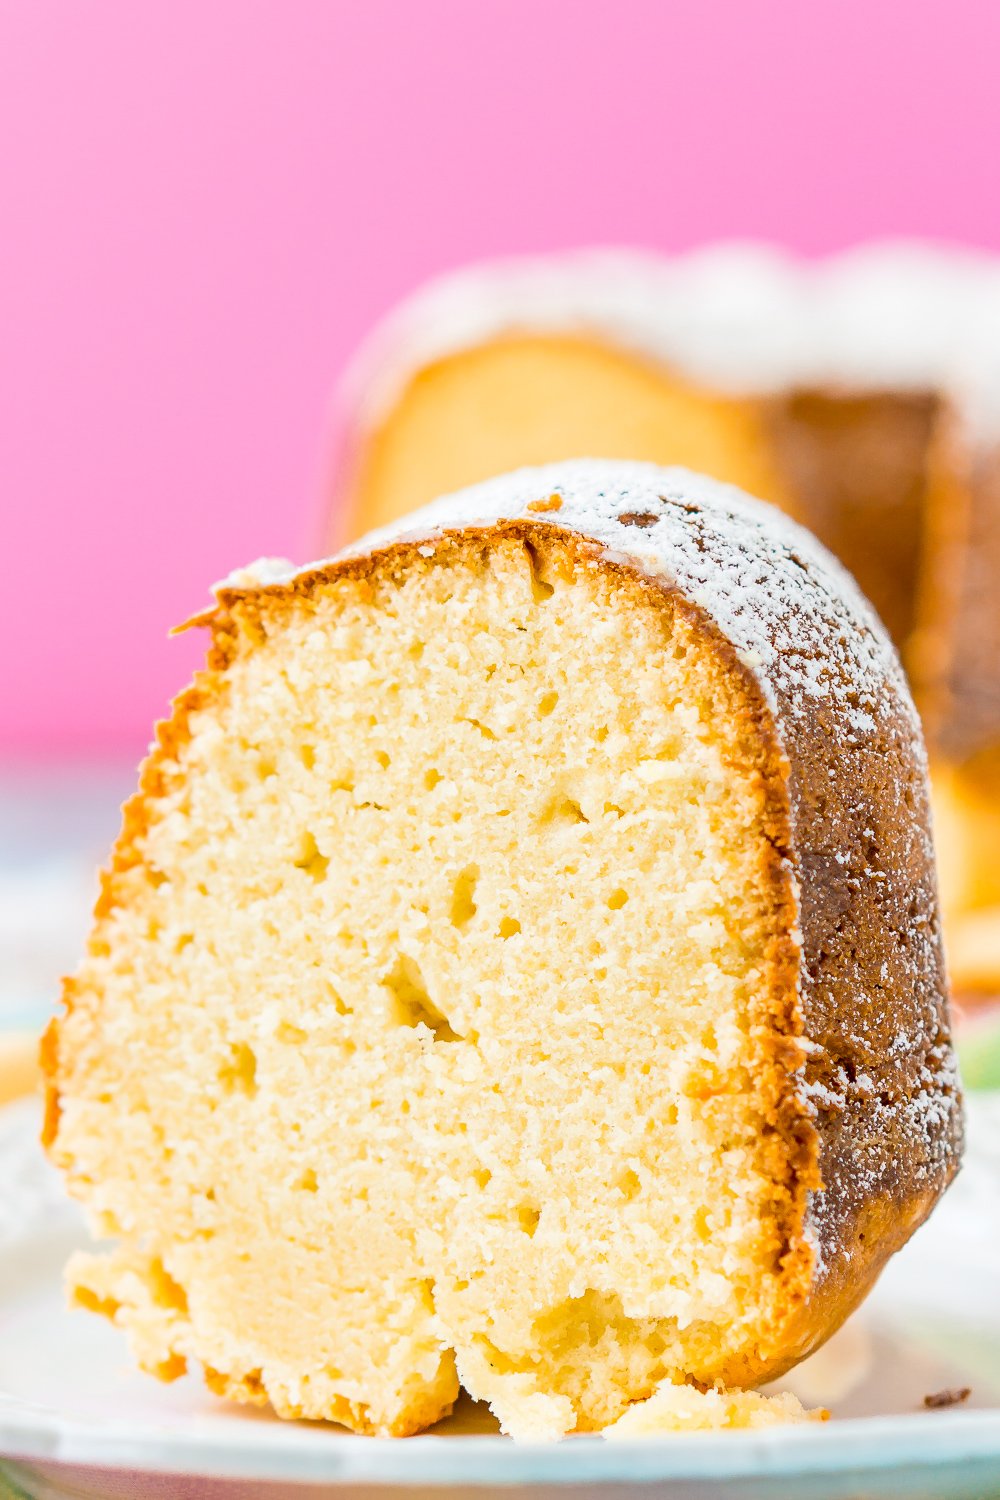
(520, 969)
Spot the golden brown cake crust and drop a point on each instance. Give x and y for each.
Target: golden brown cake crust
(865, 1115)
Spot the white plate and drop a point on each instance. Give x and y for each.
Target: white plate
(80, 1421)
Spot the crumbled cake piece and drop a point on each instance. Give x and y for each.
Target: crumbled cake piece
(940, 1400)
(684, 1408)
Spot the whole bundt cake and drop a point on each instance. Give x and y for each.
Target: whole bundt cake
(519, 969)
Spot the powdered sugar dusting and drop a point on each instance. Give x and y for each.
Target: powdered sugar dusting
(795, 616)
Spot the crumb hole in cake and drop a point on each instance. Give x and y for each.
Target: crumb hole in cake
(83, 1296)
(292, 1035)
(669, 749)
(463, 898)
(484, 729)
(497, 1360)
(562, 809)
(546, 704)
(612, 810)
(266, 767)
(415, 650)
(412, 1004)
(708, 1038)
(628, 1185)
(184, 941)
(431, 779)
(307, 755)
(541, 590)
(527, 1219)
(166, 1291)
(238, 1074)
(108, 1224)
(587, 1320)
(310, 859)
(509, 927)
(617, 899)
(383, 759)
(601, 734)
(306, 1181)
(482, 1177)
(340, 1005)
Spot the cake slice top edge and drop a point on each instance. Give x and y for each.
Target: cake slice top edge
(767, 583)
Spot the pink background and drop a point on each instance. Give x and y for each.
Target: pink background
(204, 204)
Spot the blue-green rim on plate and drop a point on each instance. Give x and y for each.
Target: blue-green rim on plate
(855, 1445)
